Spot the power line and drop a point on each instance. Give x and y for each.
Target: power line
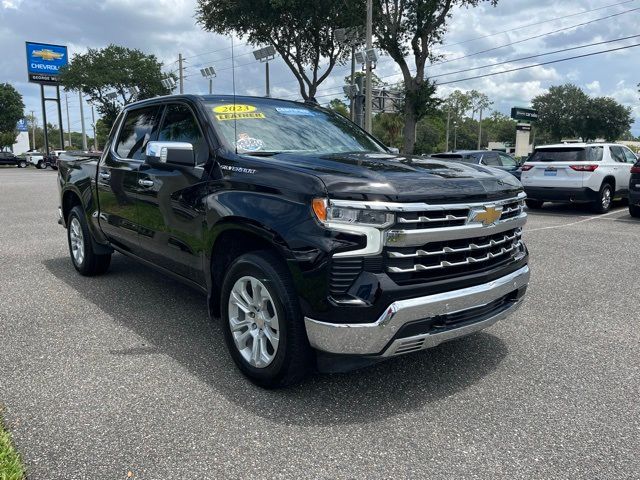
(538, 23)
(540, 64)
(535, 56)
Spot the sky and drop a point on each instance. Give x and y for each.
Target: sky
(168, 27)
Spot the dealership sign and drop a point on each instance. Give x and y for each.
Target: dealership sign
(44, 62)
(525, 114)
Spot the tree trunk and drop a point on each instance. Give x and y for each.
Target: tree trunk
(409, 130)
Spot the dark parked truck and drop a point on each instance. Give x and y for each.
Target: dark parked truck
(315, 245)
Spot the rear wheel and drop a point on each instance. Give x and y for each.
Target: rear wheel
(605, 197)
(41, 165)
(634, 210)
(22, 164)
(534, 204)
(85, 261)
(262, 323)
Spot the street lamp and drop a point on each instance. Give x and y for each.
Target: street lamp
(263, 55)
(169, 83)
(209, 73)
(351, 37)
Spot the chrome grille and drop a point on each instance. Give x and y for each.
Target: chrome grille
(440, 259)
(436, 216)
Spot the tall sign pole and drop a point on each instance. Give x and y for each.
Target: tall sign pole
(44, 121)
(368, 86)
(181, 69)
(60, 117)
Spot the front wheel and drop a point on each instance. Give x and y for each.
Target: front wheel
(85, 261)
(634, 210)
(41, 165)
(262, 323)
(22, 164)
(605, 197)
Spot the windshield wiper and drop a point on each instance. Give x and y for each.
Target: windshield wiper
(270, 153)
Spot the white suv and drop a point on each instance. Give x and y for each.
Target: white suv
(595, 173)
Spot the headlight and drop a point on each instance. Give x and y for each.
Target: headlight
(327, 213)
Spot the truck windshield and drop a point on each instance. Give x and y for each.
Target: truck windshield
(569, 154)
(266, 127)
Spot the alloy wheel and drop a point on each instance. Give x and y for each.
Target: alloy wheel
(253, 321)
(76, 239)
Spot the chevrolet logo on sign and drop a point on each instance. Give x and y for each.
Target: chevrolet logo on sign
(487, 216)
(48, 55)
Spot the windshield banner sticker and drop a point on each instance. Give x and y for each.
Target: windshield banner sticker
(302, 112)
(234, 108)
(239, 116)
(249, 144)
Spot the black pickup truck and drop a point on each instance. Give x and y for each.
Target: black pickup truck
(315, 245)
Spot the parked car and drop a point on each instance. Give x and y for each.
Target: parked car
(634, 191)
(594, 173)
(8, 158)
(314, 244)
(500, 160)
(36, 158)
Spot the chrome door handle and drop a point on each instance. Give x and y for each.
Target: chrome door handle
(105, 175)
(145, 183)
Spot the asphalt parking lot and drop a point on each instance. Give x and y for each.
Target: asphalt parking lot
(124, 373)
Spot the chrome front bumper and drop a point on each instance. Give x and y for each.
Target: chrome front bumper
(376, 338)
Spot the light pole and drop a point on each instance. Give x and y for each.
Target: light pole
(368, 84)
(351, 37)
(209, 73)
(263, 55)
(455, 136)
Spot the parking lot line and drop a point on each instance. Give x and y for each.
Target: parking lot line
(588, 219)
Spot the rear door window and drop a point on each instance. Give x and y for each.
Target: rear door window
(617, 153)
(491, 159)
(137, 129)
(629, 155)
(567, 154)
(507, 160)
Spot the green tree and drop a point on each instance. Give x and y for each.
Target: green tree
(11, 111)
(302, 32)
(339, 106)
(560, 111)
(114, 69)
(498, 128)
(388, 128)
(414, 27)
(605, 118)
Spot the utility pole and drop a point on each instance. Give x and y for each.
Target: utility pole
(359, 103)
(266, 72)
(448, 122)
(84, 132)
(455, 136)
(368, 88)
(66, 101)
(93, 123)
(480, 130)
(181, 69)
(33, 129)
(353, 82)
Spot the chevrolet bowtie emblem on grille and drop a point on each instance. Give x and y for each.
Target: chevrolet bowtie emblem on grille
(487, 216)
(48, 55)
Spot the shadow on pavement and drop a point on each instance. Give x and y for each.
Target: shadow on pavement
(572, 209)
(172, 320)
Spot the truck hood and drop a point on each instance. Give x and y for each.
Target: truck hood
(402, 178)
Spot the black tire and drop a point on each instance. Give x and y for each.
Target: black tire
(293, 357)
(602, 205)
(22, 164)
(534, 204)
(41, 165)
(634, 210)
(91, 264)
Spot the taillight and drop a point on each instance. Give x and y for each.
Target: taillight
(584, 168)
(526, 168)
(635, 169)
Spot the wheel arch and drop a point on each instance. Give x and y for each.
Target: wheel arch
(231, 238)
(611, 180)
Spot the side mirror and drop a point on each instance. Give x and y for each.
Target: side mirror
(176, 153)
(393, 150)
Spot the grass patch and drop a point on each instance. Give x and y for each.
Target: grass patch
(11, 467)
